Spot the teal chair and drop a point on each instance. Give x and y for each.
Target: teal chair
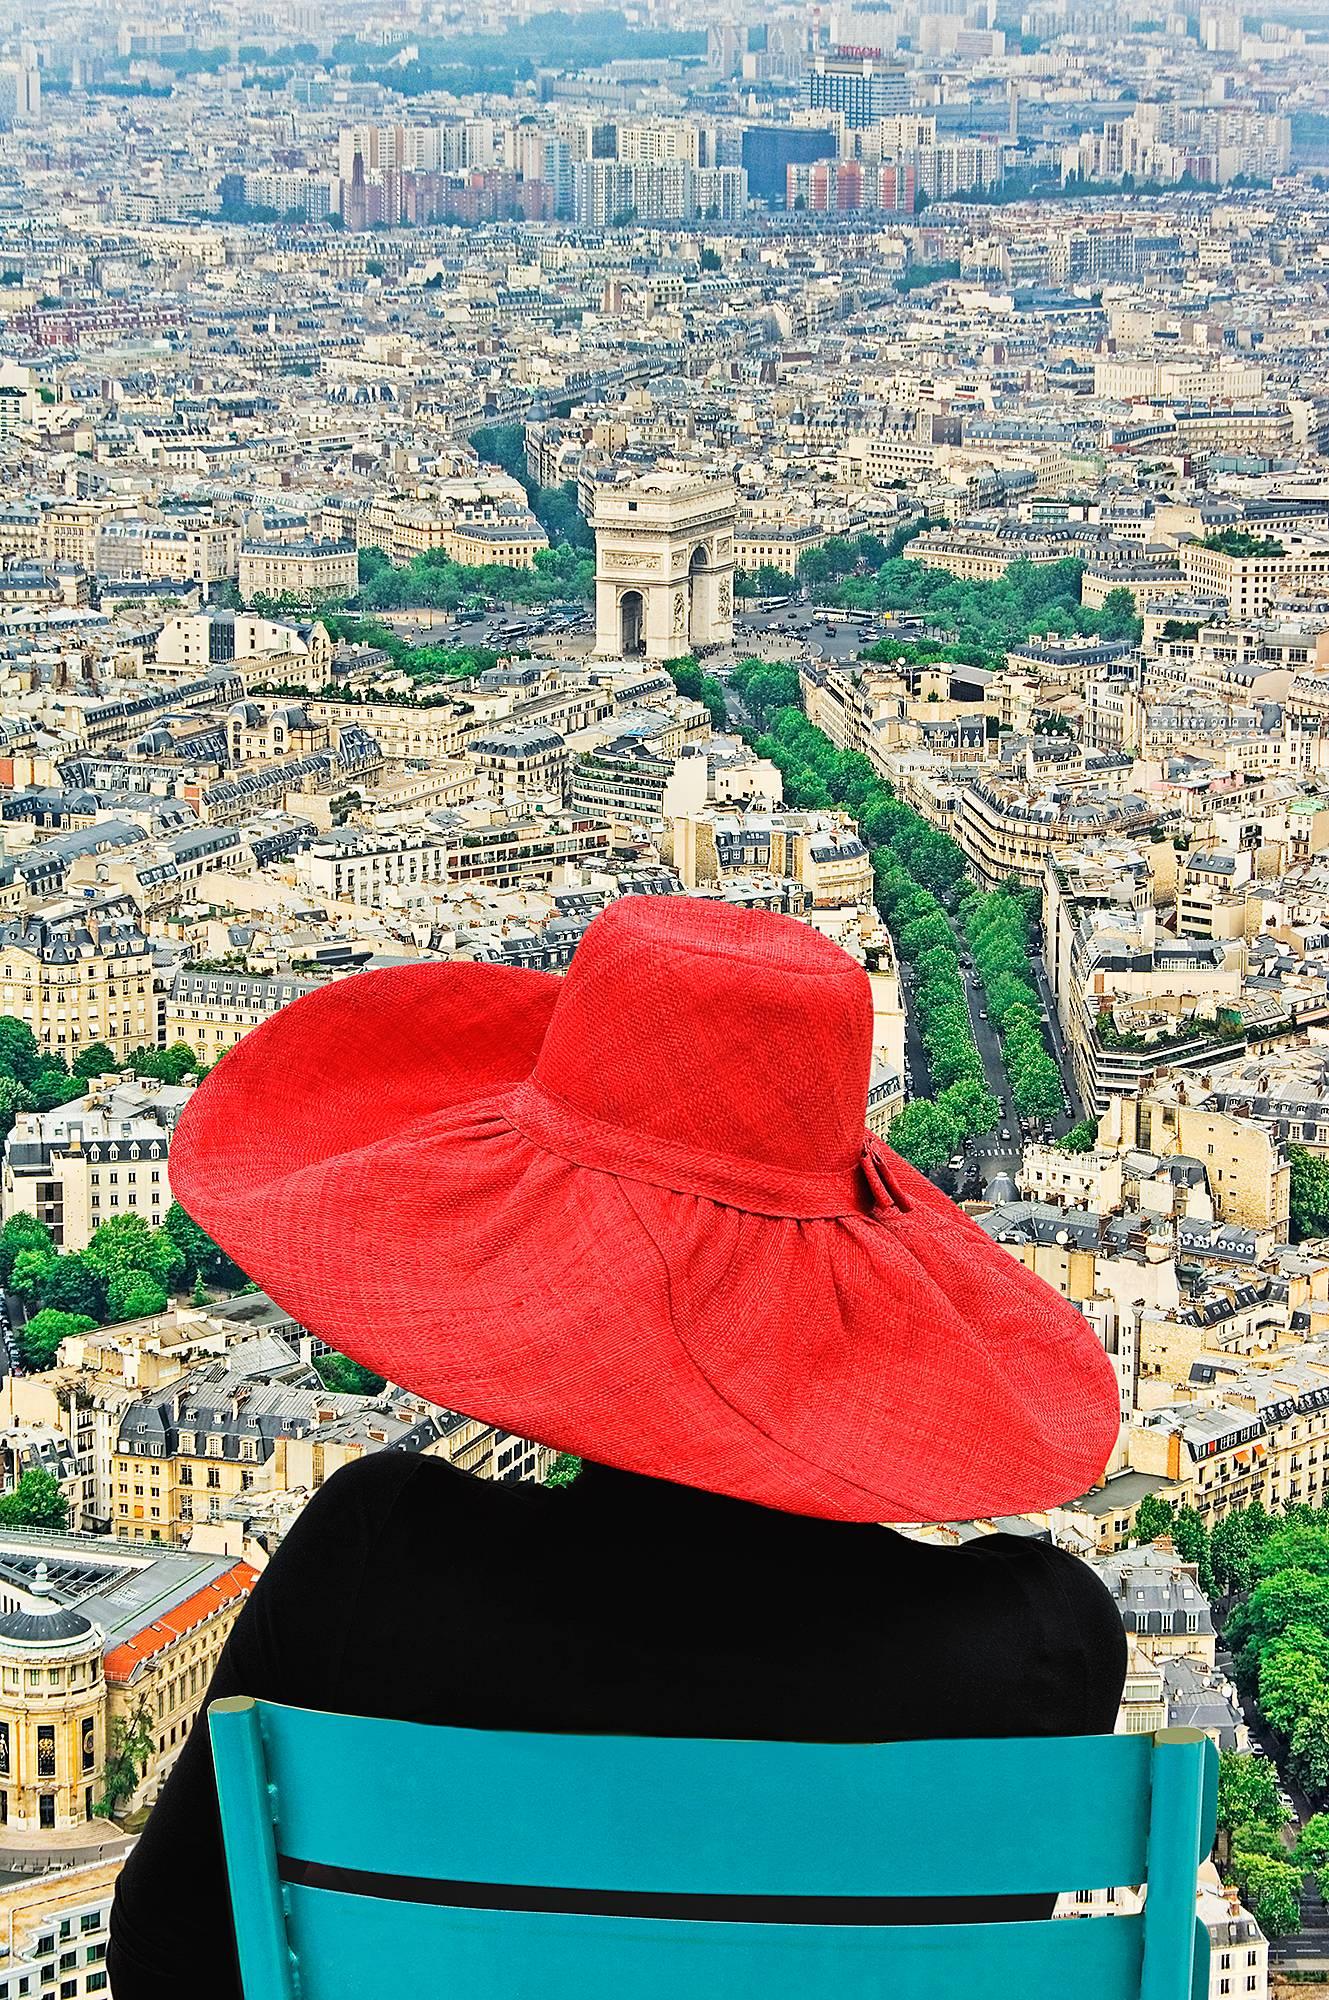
(490, 1863)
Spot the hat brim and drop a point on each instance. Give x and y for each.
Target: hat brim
(358, 1156)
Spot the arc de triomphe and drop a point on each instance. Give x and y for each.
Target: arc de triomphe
(664, 566)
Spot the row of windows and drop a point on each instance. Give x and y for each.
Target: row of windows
(45, 1818)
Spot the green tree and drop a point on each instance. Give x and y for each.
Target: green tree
(1247, 1793)
(134, 1295)
(1118, 618)
(200, 1256)
(1308, 1744)
(346, 1377)
(14, 1097)
(1289, 1597)
(36, 1502)
(21, 1232)
(54, 1086)
(74, 1286)
(1312, 1848)
(96, 1060)
(1271, 1891)
(128, 1243)
(30, 1271)
(1082, 1137)
(1153, 1517)
(924, 1135)
(1309, 1194)
(563, 1470)
(1190, 1538)
(1233, 1546)
(972, 1106)
(130, 1745)
(20, 1056)
(39, 1338)
(171, 1065)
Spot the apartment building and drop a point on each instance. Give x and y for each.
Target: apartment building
(202, 552)
(634, 784)
(57, 1928)
(77, 973)
(1007, 826)
(1264, 1436)
(470, 526)
(211, 1010)
(1244, 1158)
(95, 1633)
(823, 851)
(307, 572)
(521, 762)
(980, 555)
(464, 844)
(1249, 584)
(98, 1157)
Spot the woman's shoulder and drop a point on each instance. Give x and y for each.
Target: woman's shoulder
(397, 1487)
(1077, 1617)
(1063, 1578)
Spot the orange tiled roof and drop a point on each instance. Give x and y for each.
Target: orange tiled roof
(121, 1661)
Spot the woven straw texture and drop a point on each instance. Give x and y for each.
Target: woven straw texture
(634, 1213)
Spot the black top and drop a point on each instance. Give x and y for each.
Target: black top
(617, 1605)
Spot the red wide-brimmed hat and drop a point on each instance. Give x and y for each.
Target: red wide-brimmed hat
(634, 1213)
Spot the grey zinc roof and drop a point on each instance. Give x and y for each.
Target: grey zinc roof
(118, 1593)
(1153, 1591)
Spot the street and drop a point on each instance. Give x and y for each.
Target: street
(991, 1155)
(794, 631)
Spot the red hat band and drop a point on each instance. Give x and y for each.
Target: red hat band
(759, 1188)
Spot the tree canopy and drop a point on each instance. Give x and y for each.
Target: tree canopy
(38, 1501)
(983, 621)
(1309, 1198)
(32, 1078)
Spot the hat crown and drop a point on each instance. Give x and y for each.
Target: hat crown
(727, 1031)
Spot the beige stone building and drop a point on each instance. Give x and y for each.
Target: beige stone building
(1008, 826)
(78, 973)
(201, 551)
(1250, 583)
(255, 647)
(95, 1158)
(55, 1929)
(980, 555)
(470, 524)
(212, 1010)
(309, 572)
(823, 851)
(776, 542)
(52, 1714)
(1246, 1166)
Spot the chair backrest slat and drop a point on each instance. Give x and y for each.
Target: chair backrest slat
(671, 1816)
(1177, 1803)
(858, 1819)
(355, 1948)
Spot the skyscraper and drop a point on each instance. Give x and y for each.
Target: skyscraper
(858, 83)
